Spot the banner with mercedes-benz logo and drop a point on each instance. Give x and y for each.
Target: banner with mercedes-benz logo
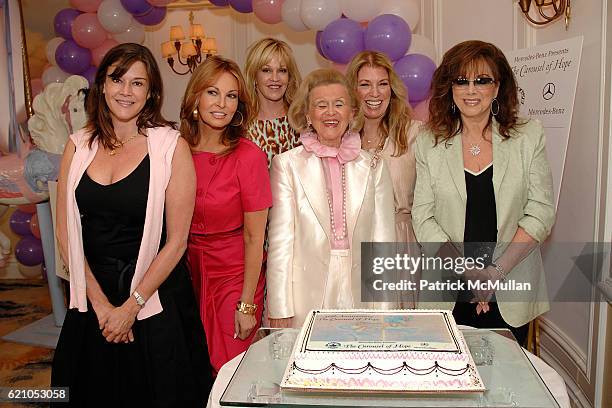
(547, 76)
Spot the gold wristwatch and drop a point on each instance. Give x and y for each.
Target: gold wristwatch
(246, 308)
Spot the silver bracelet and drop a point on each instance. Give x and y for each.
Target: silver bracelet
(500, 271)
(139, 299)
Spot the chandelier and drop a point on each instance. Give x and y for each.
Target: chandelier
(191, 52)
(547, 11)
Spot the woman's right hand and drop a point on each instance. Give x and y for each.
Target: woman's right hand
(102, 311)
(281, 323)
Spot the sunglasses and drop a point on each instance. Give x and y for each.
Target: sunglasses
(480, 82)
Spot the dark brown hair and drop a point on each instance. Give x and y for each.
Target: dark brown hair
(204, 76)
(460, 61)
(99, 122)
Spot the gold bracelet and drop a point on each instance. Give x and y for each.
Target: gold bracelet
(246, 308)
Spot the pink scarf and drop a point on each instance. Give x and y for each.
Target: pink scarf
(349, 149)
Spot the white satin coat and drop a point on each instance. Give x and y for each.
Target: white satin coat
(300, 230)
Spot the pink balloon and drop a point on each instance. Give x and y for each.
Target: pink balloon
(87, 6)
(37, 86)
(98, 53)
(268, 11)
(160, 3)
(339, 67)
(87, 31)
(421, 111)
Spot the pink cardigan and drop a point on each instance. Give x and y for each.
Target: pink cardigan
(161, 143)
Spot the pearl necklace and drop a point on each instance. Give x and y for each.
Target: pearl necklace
(342, 235)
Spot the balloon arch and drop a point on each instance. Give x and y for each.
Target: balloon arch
(87, 30)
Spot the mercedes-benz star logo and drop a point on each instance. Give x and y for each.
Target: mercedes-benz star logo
(549, 91)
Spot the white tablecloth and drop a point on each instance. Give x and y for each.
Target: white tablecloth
(551, 378)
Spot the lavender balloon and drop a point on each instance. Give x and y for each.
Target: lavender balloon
(137, 7)
(29, 251)
(416, 71)
(220, 3)
(242, 6)
(341, 40)
(90, 75)
(63, 22)
(20, 223)
(153, 17)
(72, 58)
(390, 34)
(318, 43)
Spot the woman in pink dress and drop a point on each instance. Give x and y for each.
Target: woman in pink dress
(225, 251)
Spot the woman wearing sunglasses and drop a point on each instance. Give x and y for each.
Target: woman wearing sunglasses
(484, 190)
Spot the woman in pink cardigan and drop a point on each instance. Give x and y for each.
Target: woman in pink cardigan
(132, 336)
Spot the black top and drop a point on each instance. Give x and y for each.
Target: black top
(480, 215)
(113, 215)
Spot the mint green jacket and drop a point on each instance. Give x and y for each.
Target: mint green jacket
(522, 183)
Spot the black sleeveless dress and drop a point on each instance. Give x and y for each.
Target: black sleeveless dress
(479, 237)
(167, 365)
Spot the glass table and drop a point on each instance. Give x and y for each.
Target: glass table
(510, 378)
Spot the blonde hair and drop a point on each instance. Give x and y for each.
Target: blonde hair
(320, 77)
(259, 54)
(397, 119)
(204, 76)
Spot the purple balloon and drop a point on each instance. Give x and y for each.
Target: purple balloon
(341, 40)
(90, 75)
(20, 223)
(416, 71)
(153, 17)
(318, 43)
(29, 251)
(242, 6)
(72, 58)
(220, 3)
(390, 34)
(136, 7)
(63, 22)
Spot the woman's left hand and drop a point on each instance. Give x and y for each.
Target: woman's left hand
(483, 275)
(243, 324)
(118, 323)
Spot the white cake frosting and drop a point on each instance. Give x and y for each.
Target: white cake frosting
(381, 351)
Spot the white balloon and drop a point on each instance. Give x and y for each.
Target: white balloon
(54, 74)
(317, 14)
(290, 13)
(422, 45)
(360, 10)
(409, 10)
(134, 34)
(51, 47)
(113, 17)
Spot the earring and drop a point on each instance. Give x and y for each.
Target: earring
(195, 115)
(495, 111)
(308, 124)
(241, 119)
(453, 108)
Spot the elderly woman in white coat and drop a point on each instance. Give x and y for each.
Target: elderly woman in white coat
(327, 200)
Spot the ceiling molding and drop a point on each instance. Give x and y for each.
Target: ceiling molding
(187, 5)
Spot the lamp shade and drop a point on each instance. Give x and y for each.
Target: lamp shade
(188, 49)
(168, 49)
(210, 46)
(196, 31)
(176, 33)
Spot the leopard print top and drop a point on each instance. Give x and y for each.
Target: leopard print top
(273, 136)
